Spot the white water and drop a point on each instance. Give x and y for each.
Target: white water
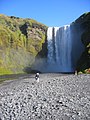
(60, 49)
(50, 44)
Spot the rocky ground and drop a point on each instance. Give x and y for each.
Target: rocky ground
(55, 97)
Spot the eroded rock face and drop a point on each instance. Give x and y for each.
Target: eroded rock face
(20, 41)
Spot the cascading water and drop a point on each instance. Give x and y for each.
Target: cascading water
(50, 45)
(61, 50)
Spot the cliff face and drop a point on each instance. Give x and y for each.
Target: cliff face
(20, 41)
(84, 61)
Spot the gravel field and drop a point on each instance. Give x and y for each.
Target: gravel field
(55, 97)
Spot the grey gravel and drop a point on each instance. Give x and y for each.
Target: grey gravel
(55, 97)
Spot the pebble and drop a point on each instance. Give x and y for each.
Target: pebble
(55, 97)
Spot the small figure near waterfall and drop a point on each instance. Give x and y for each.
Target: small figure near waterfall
(37, 77)
(76, 73)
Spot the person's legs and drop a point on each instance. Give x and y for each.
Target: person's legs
(38, 79)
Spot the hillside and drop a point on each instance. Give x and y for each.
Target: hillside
(84, 61)
(20, 41)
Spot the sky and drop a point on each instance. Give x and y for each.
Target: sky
(49, 12)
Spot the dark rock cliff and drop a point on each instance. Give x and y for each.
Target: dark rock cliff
(83, 64)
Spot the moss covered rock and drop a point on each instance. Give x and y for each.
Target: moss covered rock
(20, 41)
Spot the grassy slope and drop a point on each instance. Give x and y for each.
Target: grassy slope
(20, 41)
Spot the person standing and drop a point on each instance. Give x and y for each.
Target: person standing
(37, 77)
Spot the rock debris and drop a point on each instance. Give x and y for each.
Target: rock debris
(55, 97)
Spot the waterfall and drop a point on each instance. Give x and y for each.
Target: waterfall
(61, 51)
(50, 44)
